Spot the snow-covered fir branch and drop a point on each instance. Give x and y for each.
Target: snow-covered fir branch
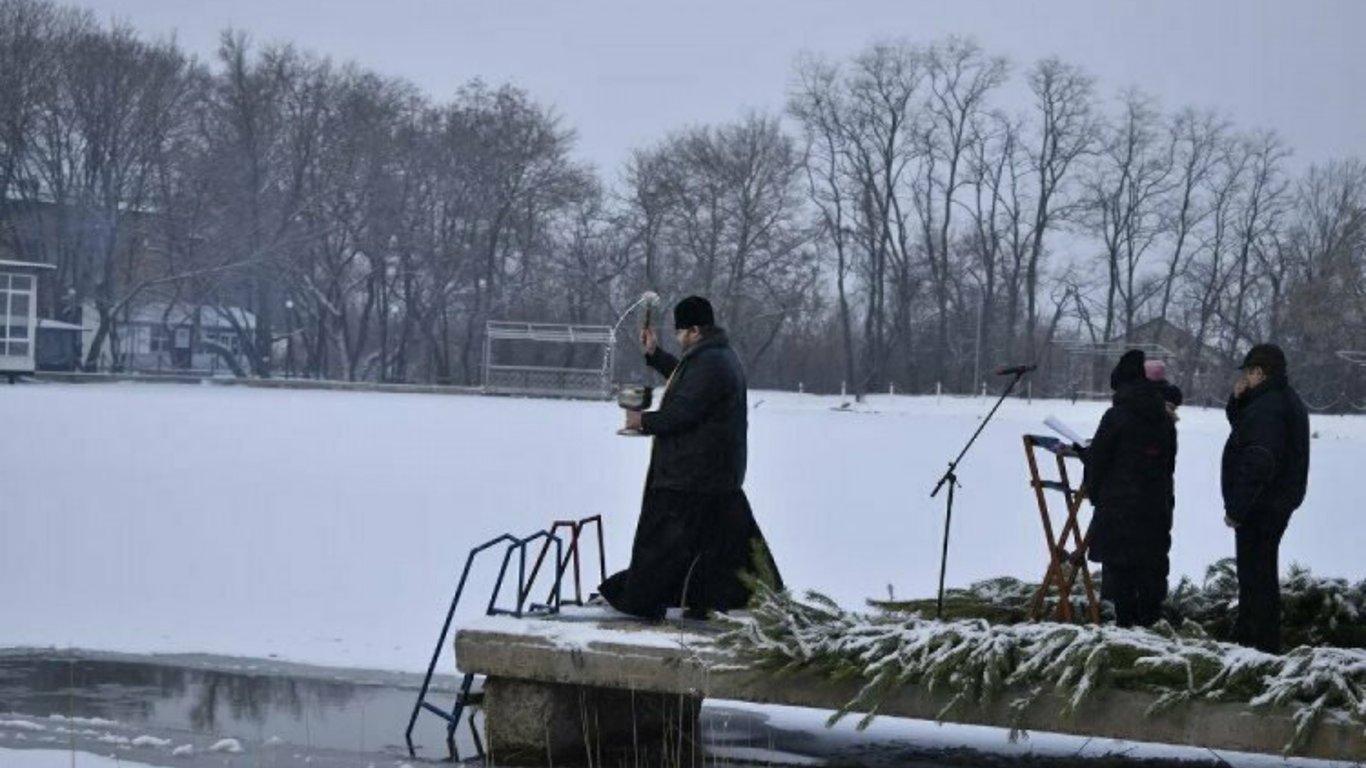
(977, 662)
(1316, 610)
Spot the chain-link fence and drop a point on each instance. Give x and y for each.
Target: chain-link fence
(548, 360)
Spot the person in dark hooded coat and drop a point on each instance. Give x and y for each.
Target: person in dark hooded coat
(696, 534)
(1130, 464)
(1156, 370)
(1264, 476)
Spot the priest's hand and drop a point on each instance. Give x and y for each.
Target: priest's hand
(633, 420)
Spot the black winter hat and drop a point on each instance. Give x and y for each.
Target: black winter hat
(1268, 357)
(693, 311)
(1129, 368)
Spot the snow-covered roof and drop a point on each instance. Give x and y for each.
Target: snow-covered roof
(58, 325)
(25, 264)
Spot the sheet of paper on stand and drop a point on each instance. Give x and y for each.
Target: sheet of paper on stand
(1056, 424)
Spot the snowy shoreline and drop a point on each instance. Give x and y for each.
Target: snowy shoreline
(330, 527)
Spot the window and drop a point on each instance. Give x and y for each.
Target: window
(161, 339)
(131, 340)
(226, 339)
(16, 308)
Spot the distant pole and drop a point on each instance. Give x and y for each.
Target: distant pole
(977, 346)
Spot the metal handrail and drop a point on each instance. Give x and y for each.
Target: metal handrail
(466, 697)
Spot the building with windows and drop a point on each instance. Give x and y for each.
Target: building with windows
(170, 337)
(19, 316)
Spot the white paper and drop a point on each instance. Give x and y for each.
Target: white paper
(1055, 424)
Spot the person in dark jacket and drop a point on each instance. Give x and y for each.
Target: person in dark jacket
(1265, 472)
(1129, 468)
(1156, 370)
(696, 532)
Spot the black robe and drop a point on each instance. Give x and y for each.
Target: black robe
(690, 550)
(697, 534)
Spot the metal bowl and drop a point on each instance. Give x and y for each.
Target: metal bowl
(635, 397)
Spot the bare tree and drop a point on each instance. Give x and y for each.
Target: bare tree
(960, 78)
(866, 116)
(349, 218)
(1126, 194)
(1195, 138)
(886, 139)
(511, 169)
(817, 103)
(730, 223)
(1210, 271)
(995, 225)
(267, 111)
(1066, 131)
(90, 162)
(1260, 206)
(33, 36)
(1322, 253)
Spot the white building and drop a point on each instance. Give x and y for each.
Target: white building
(171, 338)
(19, 316)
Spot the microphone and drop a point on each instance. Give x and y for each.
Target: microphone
(1015, 370)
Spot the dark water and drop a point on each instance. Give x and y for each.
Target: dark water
(193, 700)
(295, 715)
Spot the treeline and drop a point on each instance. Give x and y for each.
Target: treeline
(896, 226)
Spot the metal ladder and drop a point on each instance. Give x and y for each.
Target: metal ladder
(466, 697)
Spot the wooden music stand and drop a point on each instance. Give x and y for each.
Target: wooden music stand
(1061, 574)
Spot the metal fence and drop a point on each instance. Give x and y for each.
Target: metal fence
(520, 359)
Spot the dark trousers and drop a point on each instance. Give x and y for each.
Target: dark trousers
(1137, 590)
(1259, 584)
(690, 550)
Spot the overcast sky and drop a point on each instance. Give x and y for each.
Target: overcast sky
(624, 73)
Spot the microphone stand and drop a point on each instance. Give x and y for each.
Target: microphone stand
(950, 478)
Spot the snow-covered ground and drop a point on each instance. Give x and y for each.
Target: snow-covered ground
(51, 758)
(330, 527)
